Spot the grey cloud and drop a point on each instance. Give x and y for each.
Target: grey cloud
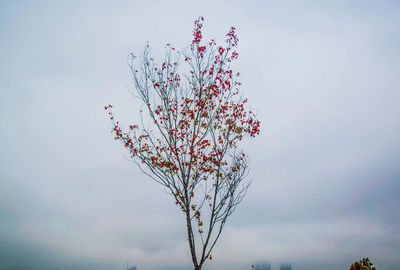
(323, 78)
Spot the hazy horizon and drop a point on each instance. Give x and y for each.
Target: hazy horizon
(323, 77)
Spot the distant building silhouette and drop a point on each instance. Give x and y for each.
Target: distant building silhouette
(286, 267)
(262, 266)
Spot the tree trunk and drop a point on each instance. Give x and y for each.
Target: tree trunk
(191, 241)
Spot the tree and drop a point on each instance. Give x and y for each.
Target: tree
(198, 117)
(364, 264)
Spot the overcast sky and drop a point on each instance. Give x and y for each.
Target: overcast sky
(323, 77)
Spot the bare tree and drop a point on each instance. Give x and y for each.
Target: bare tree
(192, 99)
